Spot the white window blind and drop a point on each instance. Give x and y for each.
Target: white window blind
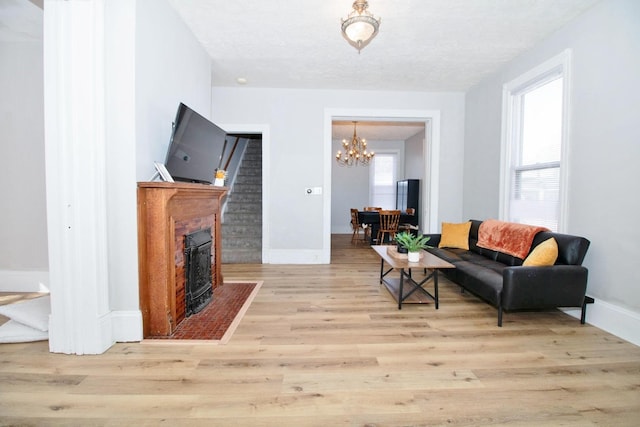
(536, 154)
(383, 179)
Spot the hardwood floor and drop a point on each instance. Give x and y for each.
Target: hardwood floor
(325, 345)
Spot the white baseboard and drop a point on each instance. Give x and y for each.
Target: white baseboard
(24, 281)
(84, 342)
(616, 320)
(126, 325)
(297, 256)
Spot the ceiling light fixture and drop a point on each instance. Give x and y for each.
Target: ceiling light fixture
(360, 27)
(355, 151)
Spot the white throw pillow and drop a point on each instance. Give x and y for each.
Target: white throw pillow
(33, 313)
(13, 331)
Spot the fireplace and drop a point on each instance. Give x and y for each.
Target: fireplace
(198, 286)
(167, 212)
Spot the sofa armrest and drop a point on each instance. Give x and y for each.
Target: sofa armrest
(434, 239)
(543, 287)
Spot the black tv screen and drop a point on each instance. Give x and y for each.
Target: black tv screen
(196, 147)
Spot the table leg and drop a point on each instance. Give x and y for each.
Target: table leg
(418, 286)
(401, 285)
(382, 272)
(435, 285)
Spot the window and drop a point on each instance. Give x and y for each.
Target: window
(384, 172)
(533, 145)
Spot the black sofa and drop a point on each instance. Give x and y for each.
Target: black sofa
(501, 280)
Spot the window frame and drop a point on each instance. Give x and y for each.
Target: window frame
(512, 93)
(397, 173)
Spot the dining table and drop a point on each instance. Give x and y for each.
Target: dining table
(372, 220)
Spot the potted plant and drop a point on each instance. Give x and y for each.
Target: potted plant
(413, 244)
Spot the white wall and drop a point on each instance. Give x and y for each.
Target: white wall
(23, 221)
(297, 159)
(604, 150)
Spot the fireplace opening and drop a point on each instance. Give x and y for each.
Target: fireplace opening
(198, 287)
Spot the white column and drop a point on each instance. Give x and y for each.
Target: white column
(80, 321)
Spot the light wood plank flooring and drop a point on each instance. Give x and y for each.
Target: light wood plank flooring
(325, 345)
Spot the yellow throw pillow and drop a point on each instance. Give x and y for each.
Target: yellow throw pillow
(455, 235)
(545, 253)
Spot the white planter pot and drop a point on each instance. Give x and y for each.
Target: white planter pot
(413, 256)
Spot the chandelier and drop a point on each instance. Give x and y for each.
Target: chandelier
(355, 151)
(360, 27)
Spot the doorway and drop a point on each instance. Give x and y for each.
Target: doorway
(431, 144)
(265, 143)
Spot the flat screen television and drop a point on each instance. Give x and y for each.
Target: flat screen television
(196, 147)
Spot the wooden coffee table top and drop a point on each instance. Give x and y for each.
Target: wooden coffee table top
(427, 260)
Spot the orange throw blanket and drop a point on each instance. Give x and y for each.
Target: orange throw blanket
(507, 237)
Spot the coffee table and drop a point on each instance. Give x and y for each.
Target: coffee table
(396, 287)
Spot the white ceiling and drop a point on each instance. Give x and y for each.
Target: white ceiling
(423, 45)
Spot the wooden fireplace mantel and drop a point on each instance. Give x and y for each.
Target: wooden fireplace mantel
(166, 213)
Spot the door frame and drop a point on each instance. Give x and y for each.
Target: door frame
(431, 157)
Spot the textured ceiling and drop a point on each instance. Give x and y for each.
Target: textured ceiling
(423, 45)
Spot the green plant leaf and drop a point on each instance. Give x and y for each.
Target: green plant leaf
(411, 242)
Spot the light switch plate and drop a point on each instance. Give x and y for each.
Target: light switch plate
(313, 191)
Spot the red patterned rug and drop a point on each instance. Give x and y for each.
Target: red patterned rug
(218, 320)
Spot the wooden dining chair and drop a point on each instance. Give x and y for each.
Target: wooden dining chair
(406, 226)
(388, 225)
(371, 209)
(356, 227)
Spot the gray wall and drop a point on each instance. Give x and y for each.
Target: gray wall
(165, 66)
(297, 151)
(152, 62)
(604, 143)
(23, 217)
(414, 165)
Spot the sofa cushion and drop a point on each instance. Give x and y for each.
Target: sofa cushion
(484, 281)
(544, 254)
(455, 235)
(507, 259)
(455, 255)
(451, 255)
(571, 249)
